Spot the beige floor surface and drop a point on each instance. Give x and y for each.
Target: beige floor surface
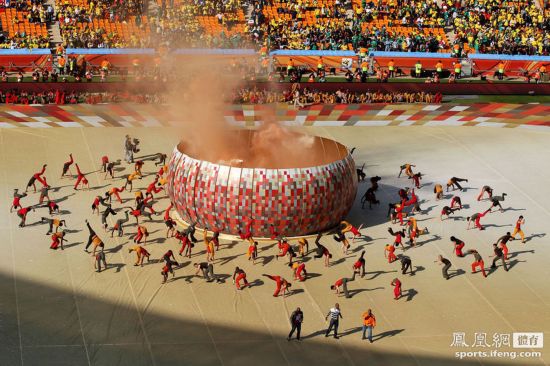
(55, 310)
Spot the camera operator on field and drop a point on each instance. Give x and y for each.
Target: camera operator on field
(130, 147)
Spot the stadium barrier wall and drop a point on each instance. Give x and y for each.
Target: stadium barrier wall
(120, 58)
(512, 67)
(26, 60)
(482, 64)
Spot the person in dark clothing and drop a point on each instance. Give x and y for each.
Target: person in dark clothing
(370, 198)
(296, 320)
(498, 256)
(92, 238)
(446, 265)
(485, 189)
(495, 202)
(110, 169)
(406, 263)
(476, 218)
(344, 283)
(456, 200)
(478, 262)
(44, 193)
(374, 182)
(207, 271)
(108, 211)
(37, 176)
(322, 250)
(119, 225)
(446, 211)
(100, 258)
(161, 159)
(408, 170)
(52, 207)
(359, 265)
(399, 236)
(239, 275)
(458, 246)
(190, 231)
(140, 211)
(100, 200)
(361, 173)
(22, 213)
(67, 165)
(505, 238)
(129, 149)
(340, 237)
(416, 179)
(170, 260)
(455, 183)
(53, 223)
(17, 199)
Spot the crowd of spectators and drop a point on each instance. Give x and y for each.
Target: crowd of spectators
(23, 40)
(34, 12)
(309, 96)
(90, 37)
(58, 96)
(316, 37)
(114, 10)
(487, 26)
(502, 26)
(241, 96)
(178, 26)
(386, 26)
(171, 24)
(79, 27)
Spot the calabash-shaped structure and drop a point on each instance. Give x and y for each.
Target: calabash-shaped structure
(297, 200)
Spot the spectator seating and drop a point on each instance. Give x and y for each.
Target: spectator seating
(16, 22)
(479, 26)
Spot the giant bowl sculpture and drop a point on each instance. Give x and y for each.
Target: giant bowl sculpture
(297, 200)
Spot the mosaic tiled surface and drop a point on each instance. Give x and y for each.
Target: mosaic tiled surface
(132, 115)
(295, 201)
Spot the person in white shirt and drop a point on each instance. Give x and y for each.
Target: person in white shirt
(335, 316)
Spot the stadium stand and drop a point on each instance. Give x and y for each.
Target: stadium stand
(490, 26)
(459, 27)
(504, 27)
(335, 25)
(206, 23)
(24, 25)
(103, 24)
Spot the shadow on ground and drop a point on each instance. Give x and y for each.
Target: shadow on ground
(378, 214)
(47, 322)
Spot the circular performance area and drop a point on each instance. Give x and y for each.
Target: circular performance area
(309, 196)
